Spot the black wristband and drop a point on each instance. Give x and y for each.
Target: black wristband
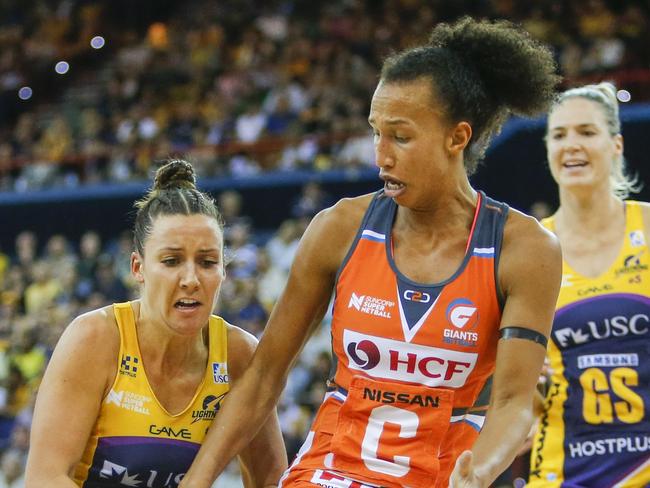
(523, 333)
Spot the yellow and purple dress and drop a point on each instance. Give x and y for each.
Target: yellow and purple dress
(135, 441)
(595, 431)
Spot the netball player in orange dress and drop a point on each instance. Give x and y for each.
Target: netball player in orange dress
(443, 297)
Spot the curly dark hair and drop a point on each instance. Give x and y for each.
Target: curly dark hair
(481, 71)
(174, 192)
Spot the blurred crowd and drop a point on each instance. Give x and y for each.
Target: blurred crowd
(242, 87)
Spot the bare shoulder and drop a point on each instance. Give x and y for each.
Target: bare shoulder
(92, 340)
(528, 247)
(95, 330)
(344, 217)
(336, 226)
(241, 347)
(524, 230)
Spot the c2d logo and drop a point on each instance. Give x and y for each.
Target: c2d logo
(369, 349)
(417, 296)
(462, 312)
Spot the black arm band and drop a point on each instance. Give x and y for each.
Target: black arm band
(523, 333)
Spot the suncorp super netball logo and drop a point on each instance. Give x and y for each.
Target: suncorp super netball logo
(379, 307)
(462, 312)
(368, 349)
(397, 360)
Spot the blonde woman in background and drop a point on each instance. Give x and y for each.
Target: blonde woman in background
(595, 427)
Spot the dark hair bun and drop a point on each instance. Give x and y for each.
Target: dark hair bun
(517, 71)
(175, 174)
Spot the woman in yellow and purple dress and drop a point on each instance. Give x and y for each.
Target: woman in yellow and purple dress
(133, 387)
(595, 428)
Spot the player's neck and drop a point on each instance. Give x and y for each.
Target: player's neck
(164, 350)
(448, 208)
(590, 211)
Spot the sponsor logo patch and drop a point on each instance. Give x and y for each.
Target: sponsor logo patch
(119, 473)
(166, 431)
(417, 296)
(608, 447)
(378, 307)
(631, 264)
(463, 315)
(617, 326)
(220, 373)
(129, 365)
(637, 239)
(595, 290)
(396, 360)
(392, 397)
(129, 401)
(211, 405)
(607, 360)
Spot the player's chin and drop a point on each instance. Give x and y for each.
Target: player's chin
(190, 322)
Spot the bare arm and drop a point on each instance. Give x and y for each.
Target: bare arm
(302, 304)
(530, 271)
(75, 382)
(258, 470)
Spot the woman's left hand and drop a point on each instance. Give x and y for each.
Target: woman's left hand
(464, 475)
